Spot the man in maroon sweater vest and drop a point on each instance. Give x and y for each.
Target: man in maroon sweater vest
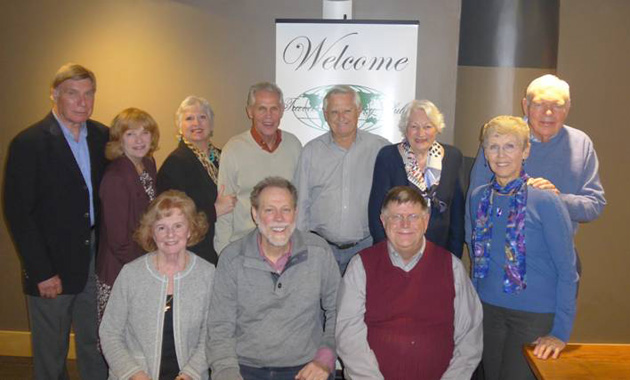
(406, 308)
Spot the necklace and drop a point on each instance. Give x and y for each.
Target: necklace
(169, 299)
(208, 160)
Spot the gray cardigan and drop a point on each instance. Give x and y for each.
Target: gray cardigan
(131, 330)
(262, 319)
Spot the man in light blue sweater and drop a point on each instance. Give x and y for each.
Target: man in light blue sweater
(562, 159)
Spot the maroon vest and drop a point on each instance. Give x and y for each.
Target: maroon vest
(409, 316)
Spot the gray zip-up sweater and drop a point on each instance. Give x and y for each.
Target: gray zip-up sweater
(262, 319)
(131, 330)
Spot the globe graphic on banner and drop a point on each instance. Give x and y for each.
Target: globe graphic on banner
(307, 107)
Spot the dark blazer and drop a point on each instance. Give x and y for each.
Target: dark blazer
(182, 171)
(445, 229)
(46, 203)
(123, 200)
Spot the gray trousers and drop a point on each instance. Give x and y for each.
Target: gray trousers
(343, 256)
(505, 331)
(51, 320)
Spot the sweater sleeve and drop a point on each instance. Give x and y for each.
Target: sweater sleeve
(329, 288)
(197, 363)
(381, 184)
(558, 234)
(468, 328)
(479, 175)
(115, 205)
(112, 330)
(221, 345)
(457, 217)
(352, 344)
(172, 175)
(588, 202)
(228, 174)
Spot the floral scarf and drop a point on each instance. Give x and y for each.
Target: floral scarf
(514, 277)
(427, 180)
(210, 161)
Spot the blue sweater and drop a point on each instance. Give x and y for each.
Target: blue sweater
(551, 273)
(569, 161)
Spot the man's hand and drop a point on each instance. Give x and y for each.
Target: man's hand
(542, 184)
(546, 345)
(183, 376)
(313, 371)
(50, 288)
(225, 202)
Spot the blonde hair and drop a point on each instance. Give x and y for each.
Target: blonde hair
(162, 207)
(130, 118)
(506, 125)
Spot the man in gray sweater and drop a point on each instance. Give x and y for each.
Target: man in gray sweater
(269, 292)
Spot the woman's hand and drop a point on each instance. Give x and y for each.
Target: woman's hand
(225, 202)
(140, 376)
(547, 345)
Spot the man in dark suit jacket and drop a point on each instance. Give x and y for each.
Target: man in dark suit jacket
(52, 177)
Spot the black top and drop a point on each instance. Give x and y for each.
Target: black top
(446, 227)
(183, 171)
(169, 369)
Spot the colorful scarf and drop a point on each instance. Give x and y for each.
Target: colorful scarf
(514, 277)
(427, 180)
(210, 161)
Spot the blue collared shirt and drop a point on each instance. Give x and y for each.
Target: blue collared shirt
(81, 154)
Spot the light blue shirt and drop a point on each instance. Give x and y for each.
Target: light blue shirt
(334, 185)
(81, 154)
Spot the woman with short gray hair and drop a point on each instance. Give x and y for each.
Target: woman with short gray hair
(193, 168)
(430, 167)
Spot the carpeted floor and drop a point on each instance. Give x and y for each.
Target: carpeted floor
(21, 368)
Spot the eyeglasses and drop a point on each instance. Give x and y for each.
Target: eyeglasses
(554, 106)
(508, 148)
(399, 218)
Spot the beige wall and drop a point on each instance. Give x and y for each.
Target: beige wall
(594, 57)
(485, 92)
(152, 53)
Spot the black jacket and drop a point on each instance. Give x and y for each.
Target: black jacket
(46, 203)
(182, 171)
(446, 228)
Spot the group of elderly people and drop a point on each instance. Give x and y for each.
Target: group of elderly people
(290, 222)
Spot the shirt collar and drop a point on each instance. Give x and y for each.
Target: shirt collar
(261, 143)
(66, 131)
(397, 260)
(357, 138)
(282, 261)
